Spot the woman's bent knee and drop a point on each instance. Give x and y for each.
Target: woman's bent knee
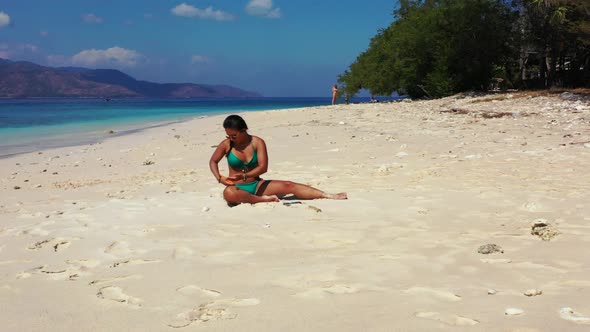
(230, 195)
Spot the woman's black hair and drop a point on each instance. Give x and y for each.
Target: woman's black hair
(235, 122)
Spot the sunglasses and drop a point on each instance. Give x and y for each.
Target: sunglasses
(233, 136)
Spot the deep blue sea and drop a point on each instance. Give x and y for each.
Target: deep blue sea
(28, 125)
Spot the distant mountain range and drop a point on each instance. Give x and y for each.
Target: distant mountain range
(21, 79)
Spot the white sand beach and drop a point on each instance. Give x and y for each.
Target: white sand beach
(132, 234)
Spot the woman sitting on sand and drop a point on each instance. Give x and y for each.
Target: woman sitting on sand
(244, 185)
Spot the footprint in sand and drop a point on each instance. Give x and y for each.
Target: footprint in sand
(39, 244)
(431, 292)
(201, 314)
(449, 319)
(73, 270)
(321, 292)
(28, 273)
(134, 262)
(121, 248)
(216, 310)
(116, 294)
(56, 273)
(59, 273)
(192, 289)
(57, 244)
(81, 267)
(107, 280)
(84, 264)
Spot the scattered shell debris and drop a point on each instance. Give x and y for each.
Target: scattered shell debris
(513, 312)
(568, 313)
(533, 292)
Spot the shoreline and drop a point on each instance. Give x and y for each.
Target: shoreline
(22, 139)
(134, 233)
(99, 135)
(82, 139)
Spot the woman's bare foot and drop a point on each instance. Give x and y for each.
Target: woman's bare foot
(269, 198)
(336, 196)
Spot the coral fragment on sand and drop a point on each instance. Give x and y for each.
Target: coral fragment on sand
(489, 249)
(544, 230)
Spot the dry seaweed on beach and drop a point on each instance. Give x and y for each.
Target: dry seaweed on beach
(575, 143)
(493, 115)
(492, 98)
(457, 111)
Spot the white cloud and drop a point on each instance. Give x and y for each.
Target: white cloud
(114, 56)
(43, 33)
(17, 50)
(275, 13)
(263, 8)
(91, 18)
(4, 19)
(199, 59)
(208, 13)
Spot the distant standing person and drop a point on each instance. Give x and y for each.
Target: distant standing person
(334, 93)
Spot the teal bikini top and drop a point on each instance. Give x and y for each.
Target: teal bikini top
(236, 163)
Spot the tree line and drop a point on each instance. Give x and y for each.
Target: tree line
(435, 48)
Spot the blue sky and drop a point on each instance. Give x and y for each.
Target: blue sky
(275, 47)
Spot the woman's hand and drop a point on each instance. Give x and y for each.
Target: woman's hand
(226, 181)
(234, 178)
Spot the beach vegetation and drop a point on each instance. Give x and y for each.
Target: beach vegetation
(435, 48)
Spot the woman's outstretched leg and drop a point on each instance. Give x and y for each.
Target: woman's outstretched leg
(282, 188)
(235, 196)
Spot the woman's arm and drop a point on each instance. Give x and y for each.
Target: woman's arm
(262, 159)
(215, 158)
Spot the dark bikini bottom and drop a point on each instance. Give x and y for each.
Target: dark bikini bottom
(262, 187)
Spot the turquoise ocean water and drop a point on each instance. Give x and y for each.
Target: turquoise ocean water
(28, 125)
